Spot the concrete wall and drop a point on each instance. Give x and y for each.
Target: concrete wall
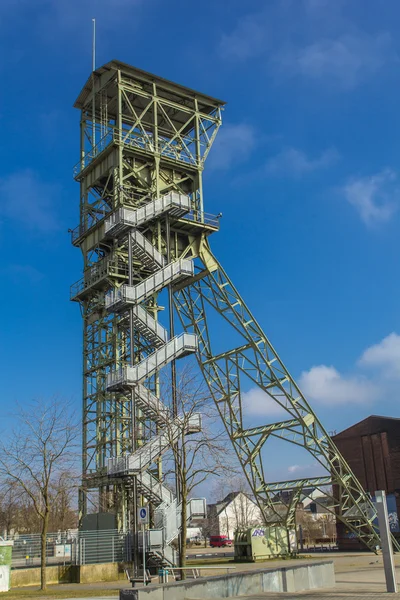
(294, 578)
(61, 574)
(99, 572)
(69, 574)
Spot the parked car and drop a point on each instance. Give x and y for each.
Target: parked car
(220, 541)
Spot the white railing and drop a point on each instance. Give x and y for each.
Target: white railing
(88, 157)
(183, 150)
(140, 242)
(141, 460)
(143, 214)
(168, 517)
(178, 346)
(197, 508)
(92, 275)
(141, 316)
(177, 150)
(196, 216)
(147, 401)
(151, 210)
(155, 543)
(154, 283)
(155, 487)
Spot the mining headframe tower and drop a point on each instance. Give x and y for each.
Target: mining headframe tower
(144, 233)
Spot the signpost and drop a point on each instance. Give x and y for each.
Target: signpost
(387, 548)
(143, 518)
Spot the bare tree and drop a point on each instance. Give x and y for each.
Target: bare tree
(17, 512)
(41, 447)
(10, 501)
(208, 527)
(199, 448)
(63, 491)
(316, 527)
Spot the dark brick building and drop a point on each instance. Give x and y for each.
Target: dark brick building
(372, 449)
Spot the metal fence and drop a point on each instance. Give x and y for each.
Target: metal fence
(72, 548)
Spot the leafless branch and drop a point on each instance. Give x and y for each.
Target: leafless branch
(40, 449)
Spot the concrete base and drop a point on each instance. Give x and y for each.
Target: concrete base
(23, 577)
(294, 578)
(69, 574)
(99, 572)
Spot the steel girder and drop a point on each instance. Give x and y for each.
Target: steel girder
(257, 360)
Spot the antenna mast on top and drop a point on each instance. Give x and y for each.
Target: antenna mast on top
(93, 92)
(94, 46)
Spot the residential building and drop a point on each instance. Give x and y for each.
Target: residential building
(236, 511)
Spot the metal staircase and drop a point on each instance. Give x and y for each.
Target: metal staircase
(132, 300)
(151, 405)
(126, 376)
(119, 300)
(124, 219)
(150, 257)
(146, 455)
(153, 489)
(155, 333)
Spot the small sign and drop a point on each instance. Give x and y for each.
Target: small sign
(143, 515)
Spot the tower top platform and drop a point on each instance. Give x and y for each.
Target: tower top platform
(165, 88)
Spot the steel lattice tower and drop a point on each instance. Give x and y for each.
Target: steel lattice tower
(143, 233)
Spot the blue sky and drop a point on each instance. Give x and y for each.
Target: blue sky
(305, 172)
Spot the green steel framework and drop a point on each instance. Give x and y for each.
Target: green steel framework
(141, 138)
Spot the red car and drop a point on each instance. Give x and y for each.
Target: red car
(220, 541)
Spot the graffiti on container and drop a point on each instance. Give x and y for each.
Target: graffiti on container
(393, 521)
(258, 533)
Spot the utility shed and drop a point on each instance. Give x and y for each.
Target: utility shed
(372, 449)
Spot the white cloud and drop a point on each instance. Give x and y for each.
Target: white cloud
(325, 385)
(29, 201)
(384, 355)
(246, 40)
(51, 19)
(23, 273)
(233, 145)
(374, 197)
(294, 468)
(346, 60)
(257, 403)
(312, 39)
(292, 161)
(302, 468)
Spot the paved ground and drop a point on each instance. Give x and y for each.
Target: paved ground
(357, 577)
(332, 595)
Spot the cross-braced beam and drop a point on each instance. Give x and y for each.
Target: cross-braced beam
(256, 360)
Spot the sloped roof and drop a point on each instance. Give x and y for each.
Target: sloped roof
(367, 420)
(116, 65)
(222, 504)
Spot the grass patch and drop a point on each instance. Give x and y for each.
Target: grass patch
(56, 593)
